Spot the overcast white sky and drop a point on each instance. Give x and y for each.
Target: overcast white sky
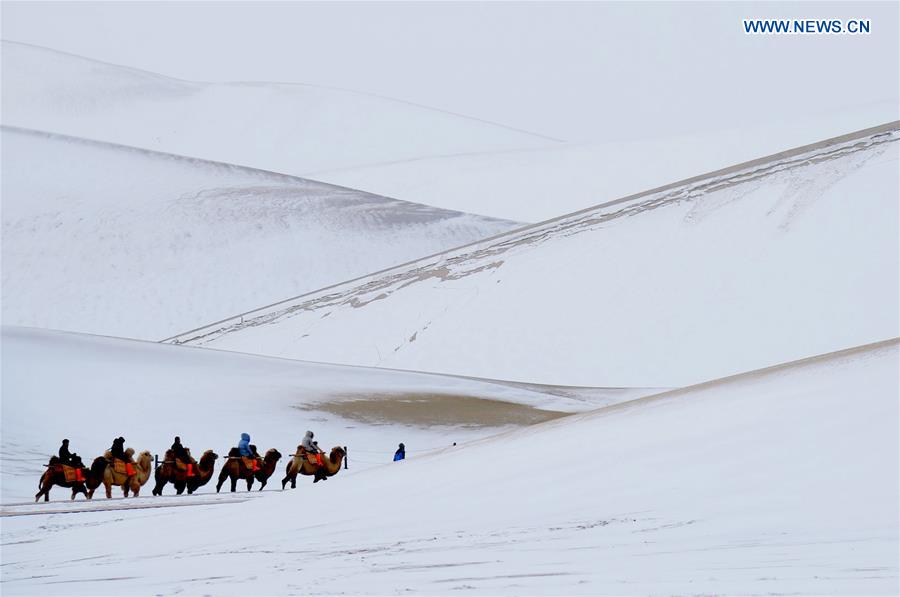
(576, 71)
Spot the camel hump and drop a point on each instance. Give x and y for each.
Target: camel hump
(234, 452)
(107, 455)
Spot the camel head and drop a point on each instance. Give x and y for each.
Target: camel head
(272, 455)
(208, 457)
(145, 458)
(337, 452)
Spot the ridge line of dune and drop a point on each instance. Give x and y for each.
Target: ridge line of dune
(502, 241)
(189, 82)
(278, 176)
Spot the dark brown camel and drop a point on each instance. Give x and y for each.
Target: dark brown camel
(300, 464)
(54, 475)
(176, 472)
(235, 468)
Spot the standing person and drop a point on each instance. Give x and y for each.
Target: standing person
(65, 457)
(400, 454)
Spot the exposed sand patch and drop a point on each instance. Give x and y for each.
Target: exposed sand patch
(433, 409)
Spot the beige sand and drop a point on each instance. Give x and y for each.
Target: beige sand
(433, 409)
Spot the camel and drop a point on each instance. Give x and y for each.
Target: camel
(169, 471)
(54, 475)
(235, 468)
(331, 465)
(112, 477)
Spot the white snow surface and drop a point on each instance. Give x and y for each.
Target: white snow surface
(113, 240)
(770, 261)
(381, 145)
(778, 481)
(288, 128)
(535, 184)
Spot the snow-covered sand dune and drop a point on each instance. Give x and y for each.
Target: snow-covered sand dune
(92, 389)
(281, 127)
(114, 240)
(785, 257)
(535, 184)
(778, 481)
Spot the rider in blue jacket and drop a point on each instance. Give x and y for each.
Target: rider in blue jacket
(244, 445)
(400, 454)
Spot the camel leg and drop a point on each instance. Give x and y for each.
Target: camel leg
(222, 476)
(45, 491)
(249, 483)
(233, 484)
(125, 489)
(108, 487)
(263, 484)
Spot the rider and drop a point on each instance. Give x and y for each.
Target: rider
(308, 444)
(246, 450)
(65, 457)
(312, 447)
(400, 454)
(118, 449)
(181, 453)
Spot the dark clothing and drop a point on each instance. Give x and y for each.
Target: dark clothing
(65, 457)
(400, 454)
(180, 452)
(118, 448)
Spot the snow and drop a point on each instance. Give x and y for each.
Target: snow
(782, 480)
(380, 145)
(535, 184)
(281, 127)
(771, 261)
(113, 240)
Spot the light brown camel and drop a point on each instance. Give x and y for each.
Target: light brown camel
(331, 465)
(143, 468)
(235, 468)
(112, 477)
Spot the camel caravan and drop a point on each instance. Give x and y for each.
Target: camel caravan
(118, 467)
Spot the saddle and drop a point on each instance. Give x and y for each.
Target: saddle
(315, 459)
(122, 467)
(189, 469)
(72, 474)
